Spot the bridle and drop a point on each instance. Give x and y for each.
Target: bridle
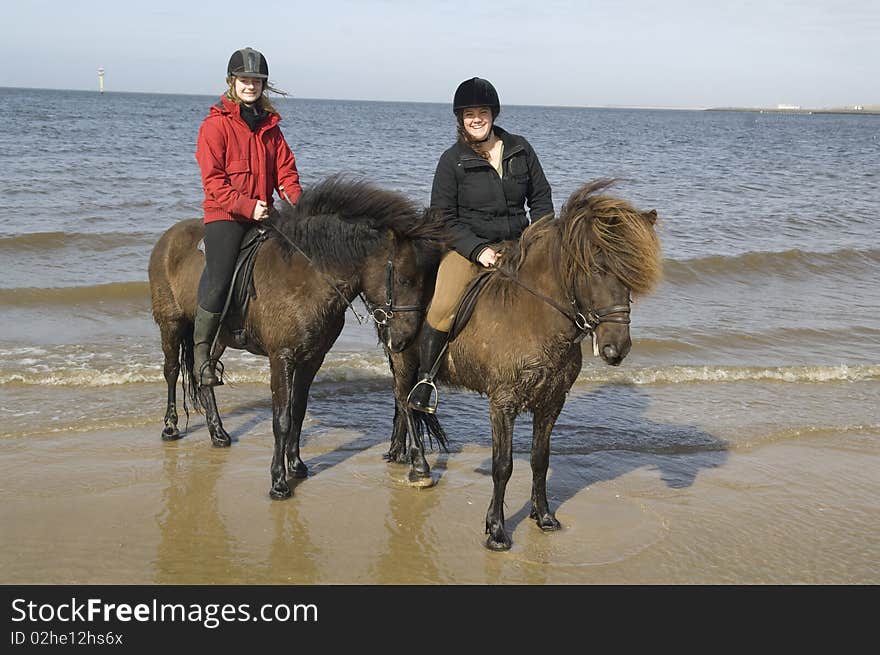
(585, 322)
(381, 314)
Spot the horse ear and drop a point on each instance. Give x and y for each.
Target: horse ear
(651, 216)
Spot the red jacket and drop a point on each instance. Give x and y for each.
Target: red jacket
(240, 167)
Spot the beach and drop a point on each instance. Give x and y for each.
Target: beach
(123, 507)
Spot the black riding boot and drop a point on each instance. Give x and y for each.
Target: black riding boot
(430, 348)
(204, 329)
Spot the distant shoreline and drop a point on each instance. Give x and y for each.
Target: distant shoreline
(868, 109)
(799, 110)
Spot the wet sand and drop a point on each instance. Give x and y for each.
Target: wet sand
(122, 507)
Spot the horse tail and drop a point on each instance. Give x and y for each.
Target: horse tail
(430, 425)
(188, 380)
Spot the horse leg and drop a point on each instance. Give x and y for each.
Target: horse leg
(404, 378)
(542, 426)
(171, 340)
(282, 381)
(302, 382)
(397, 448)
(403, 371)
(219, 437)
(502, 420)
(419, 467)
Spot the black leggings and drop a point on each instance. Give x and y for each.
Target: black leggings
(222, 243)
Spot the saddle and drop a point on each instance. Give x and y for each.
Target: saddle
(241, 288)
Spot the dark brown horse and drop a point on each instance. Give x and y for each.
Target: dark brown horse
(343, 238)
(567, 278)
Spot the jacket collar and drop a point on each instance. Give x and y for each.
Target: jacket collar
(228, 108)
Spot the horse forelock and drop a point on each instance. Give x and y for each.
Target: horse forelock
(590, 226)
(601, 225)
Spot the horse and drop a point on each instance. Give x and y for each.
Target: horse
(344, 238)
(567, 278)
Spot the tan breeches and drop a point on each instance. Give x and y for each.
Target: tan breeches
(452, 279)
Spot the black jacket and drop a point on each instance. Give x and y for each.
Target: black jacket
(480, 207)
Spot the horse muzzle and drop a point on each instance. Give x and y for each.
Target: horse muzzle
(613, 354)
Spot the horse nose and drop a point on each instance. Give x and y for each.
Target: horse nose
(611, 355)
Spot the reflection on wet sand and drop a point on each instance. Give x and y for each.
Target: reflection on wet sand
(410, 555)
(194, 541)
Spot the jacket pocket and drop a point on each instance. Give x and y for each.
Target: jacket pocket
(238, 166)
(518, 167)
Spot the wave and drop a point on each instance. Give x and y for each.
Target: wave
(41, 241)
(725, 374)
(113, 291)
(789, 263)
(364, 367)
(805, 338)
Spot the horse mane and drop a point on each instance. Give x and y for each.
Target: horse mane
(341, 220)
(591, 231)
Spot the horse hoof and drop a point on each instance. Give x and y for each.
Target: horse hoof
(420, 482)
(547, 522)
(280, 491)
(498, 545)
(298, 471)
(221, 440)
(170, 434)
(420, 477)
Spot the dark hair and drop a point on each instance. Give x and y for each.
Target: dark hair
(465, 138)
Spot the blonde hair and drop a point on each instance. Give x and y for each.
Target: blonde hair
(263, 101)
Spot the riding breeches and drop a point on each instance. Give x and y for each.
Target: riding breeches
(222, 243)
(453, 276)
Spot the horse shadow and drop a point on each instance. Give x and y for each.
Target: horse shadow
(608, 426)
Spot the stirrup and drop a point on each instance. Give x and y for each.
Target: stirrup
(218, 372)
(428, 408)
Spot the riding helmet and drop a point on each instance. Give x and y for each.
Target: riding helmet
(476, 92)
(248, 62)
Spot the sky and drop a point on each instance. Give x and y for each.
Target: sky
(595, 53)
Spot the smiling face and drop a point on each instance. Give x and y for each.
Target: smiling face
(248, 89)
(477, 122)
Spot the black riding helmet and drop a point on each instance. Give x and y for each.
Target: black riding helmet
(476, 92)
(248, 62)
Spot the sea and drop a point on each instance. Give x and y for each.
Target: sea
(764, 332)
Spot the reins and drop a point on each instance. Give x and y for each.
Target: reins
(379, 315)
(324, 276)
(584, 323)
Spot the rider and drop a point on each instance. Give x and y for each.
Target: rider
(482, 184)
(244, 158)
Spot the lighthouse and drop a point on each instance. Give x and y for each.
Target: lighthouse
(101, 80)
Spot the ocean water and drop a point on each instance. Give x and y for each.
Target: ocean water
(765, 329)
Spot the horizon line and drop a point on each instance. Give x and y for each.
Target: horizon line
(433, 102)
